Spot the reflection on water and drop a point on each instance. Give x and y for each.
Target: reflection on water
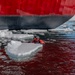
(56, 58)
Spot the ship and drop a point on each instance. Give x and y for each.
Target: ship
(28, 15)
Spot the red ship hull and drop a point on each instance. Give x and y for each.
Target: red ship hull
(37, 7)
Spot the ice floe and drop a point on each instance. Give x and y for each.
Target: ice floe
(22, 51)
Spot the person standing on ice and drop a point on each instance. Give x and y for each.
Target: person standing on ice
(38, 40)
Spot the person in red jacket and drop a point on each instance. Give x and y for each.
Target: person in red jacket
(38, 40)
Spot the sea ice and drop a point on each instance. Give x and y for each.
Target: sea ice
(22, 51)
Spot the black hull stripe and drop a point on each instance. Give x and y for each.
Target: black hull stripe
(32, 22)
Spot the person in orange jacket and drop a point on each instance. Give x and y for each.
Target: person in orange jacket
(38, 40)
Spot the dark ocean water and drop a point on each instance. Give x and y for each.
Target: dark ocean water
(56, 58)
